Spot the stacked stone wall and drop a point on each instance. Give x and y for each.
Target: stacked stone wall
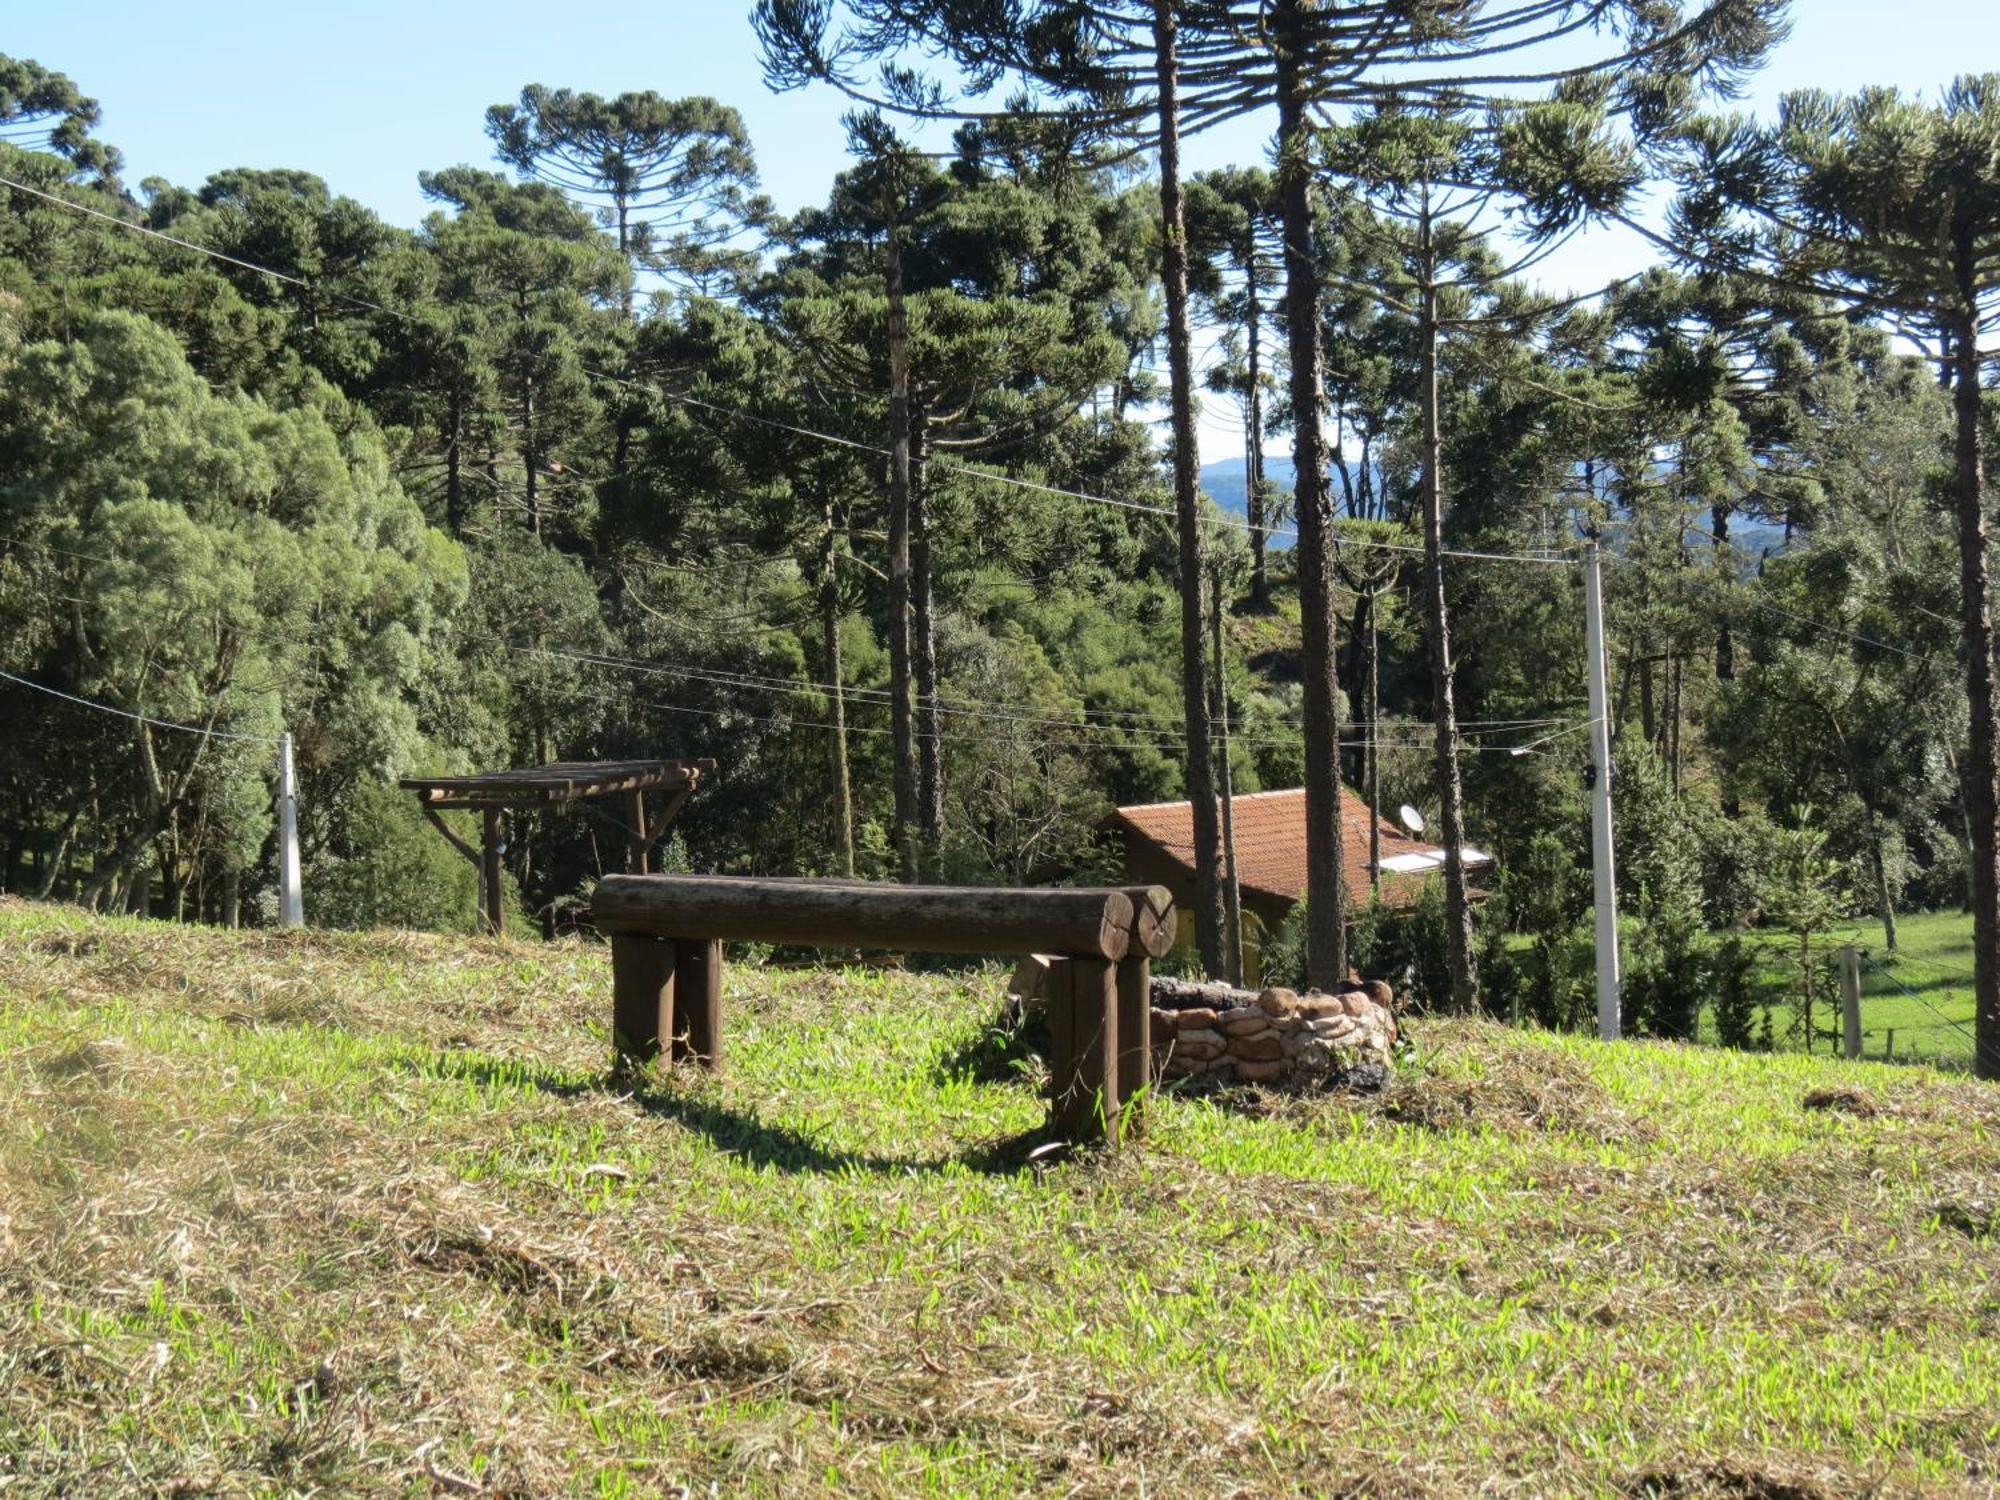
(1209, 1031)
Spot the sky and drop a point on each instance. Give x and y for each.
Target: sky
(367, 94)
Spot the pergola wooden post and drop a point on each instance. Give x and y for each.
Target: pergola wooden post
(493, 793)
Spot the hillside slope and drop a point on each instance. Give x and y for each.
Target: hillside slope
(358, 1213)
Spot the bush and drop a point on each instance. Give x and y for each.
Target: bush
(1543, 896)
(394, 871)
(1743, 996)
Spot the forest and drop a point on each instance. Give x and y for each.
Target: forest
(893, 506)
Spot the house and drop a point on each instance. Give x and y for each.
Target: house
(1158, 844)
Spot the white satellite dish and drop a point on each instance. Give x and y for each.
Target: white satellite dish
(1411, 818)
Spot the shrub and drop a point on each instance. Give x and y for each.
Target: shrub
(394, 870)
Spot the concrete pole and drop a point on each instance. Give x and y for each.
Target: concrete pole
(1603, 870)
(291, 901)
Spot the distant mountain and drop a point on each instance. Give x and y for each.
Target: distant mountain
(1752, 540)
(1224, 481)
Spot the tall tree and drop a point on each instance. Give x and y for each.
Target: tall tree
(1209, 897)
(671, 179)
(1238, 250)
(42, 110)
(1312, 61)
(1892, 206)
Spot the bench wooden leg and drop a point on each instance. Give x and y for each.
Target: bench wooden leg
(642, 997)
(698, 1001)
(1083, 1033)
(1135, 1042)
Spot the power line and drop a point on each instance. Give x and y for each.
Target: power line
(951, 465)
(966, 707)
(106, 708)
(1157, 729)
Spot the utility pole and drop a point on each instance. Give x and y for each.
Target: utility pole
(1609, 1021)
(291, 904)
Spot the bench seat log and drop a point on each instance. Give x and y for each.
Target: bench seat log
(908, 918)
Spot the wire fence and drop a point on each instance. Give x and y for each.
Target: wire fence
(1915, 1007)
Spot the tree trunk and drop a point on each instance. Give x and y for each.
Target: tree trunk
(59, 856)
(1326, 904)
(454, 466)
(923, 651)
(529, 459)
(1374, 739)
(1451, 790)
(836, 694)
(1200, 763)
(1232, 890)
(1978, 770)
(1885, 904)
(1253, 429)
(903, 749)
(1725, 644)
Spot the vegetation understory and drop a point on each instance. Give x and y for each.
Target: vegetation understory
(340, 1213)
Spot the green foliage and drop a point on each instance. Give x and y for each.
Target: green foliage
(1803, 896)
(390, 869)
(1543, 895)
(528, 513)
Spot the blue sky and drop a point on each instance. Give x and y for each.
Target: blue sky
(368, 94)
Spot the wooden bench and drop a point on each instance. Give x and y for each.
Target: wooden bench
(667, 933)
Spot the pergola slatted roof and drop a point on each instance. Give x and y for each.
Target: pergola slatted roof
(492, 793)
(560, 781)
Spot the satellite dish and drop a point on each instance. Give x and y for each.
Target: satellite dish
(1411, 818)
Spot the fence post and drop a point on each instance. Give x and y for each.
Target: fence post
(291, 902)
(1850, 999)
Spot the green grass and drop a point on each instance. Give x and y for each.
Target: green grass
(1922, 992)
(362, 1213)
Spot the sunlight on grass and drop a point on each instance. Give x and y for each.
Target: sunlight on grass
(334, 1212)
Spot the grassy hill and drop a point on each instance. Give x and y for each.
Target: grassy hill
(359, 1213)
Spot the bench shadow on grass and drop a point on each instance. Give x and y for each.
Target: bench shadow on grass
(740, 1133)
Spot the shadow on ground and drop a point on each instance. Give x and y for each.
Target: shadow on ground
(741, 1133)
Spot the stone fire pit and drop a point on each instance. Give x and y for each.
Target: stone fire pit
(1272, 1035)
(1214, 1033)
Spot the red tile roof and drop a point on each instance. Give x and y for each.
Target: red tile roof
(1271, 842)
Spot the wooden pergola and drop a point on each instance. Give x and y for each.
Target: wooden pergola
(494, 792)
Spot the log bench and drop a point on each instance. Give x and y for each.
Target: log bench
(667, 932)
